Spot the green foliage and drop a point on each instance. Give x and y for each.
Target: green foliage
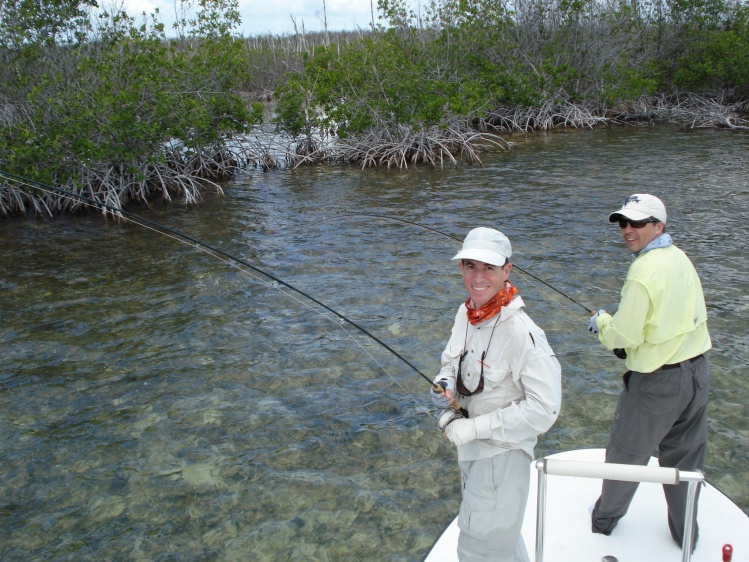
(465, 58)
(116, 100)
(698, 13)
(111, 96)
(43, 22)
(396, 13)
(715, 58)
(256, 112)
(716, 61)
(398, 78)
(214, 19)
(623, 82)
(293, 107)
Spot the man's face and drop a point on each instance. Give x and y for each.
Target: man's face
(483, 280)
(637, 238)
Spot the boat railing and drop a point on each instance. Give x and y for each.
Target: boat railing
(611, 471)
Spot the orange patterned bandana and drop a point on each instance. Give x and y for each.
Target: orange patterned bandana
(492, 308)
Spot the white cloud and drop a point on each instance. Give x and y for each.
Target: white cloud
(275, 16)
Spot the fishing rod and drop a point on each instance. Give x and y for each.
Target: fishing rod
(215, 252)
(397, 219)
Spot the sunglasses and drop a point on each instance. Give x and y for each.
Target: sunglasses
(635, 224)
(460, 386)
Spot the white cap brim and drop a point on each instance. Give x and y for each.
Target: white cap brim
(631, 214)
(486, 256)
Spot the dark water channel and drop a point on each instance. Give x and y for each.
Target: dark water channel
(158, 404)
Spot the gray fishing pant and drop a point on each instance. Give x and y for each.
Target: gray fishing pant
(667, 410)
(495, 491)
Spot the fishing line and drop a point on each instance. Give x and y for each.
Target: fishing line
(230, 260)
(397, 219)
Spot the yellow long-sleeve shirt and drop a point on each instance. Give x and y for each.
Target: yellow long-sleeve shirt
(662, 318)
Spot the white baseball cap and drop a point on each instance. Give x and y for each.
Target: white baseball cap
(639, 207)
(486, 245)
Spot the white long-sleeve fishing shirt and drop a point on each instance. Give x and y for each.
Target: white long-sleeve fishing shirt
(522, 380)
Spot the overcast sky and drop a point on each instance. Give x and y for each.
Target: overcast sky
(274, 16)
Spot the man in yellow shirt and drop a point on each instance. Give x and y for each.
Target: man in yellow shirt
(661, 325)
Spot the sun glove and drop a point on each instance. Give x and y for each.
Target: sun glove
(440, 398)
(592, 324)
(461, 431)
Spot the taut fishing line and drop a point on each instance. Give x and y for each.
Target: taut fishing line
(232, 261)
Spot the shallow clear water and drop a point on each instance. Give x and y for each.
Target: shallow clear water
(157, 403)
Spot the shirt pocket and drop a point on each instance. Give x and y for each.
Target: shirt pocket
(497, 386)
(453, 353)
(496, 377)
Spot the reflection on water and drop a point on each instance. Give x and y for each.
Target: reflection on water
(158, 404)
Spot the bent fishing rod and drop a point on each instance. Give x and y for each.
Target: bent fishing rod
(397, 219)
(215, 252)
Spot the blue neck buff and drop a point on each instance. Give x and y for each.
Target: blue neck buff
(663, 241)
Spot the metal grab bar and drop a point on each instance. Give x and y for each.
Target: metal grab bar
(612, 471)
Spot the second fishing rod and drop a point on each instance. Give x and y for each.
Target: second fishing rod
(619, 352)
(451, 237)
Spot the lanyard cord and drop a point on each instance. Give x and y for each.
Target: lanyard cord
(483, 354)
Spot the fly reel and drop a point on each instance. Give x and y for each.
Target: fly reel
(448, 416)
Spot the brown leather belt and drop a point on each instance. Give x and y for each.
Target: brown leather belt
(675, 365)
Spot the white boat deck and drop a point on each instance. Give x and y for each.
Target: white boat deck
(641, 536)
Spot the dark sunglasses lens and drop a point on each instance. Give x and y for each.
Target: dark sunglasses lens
(634, 224)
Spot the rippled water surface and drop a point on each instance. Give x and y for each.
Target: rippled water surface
(157, 403)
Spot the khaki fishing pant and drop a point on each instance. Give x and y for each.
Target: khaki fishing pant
(495, 491)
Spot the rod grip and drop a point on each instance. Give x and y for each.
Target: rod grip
(454, 404)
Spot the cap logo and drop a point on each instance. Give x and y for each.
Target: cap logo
(631, 199)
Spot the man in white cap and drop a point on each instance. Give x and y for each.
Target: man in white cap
(499, 367)
(661, 325)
